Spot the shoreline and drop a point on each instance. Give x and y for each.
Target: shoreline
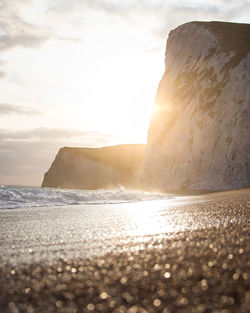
(195, 270)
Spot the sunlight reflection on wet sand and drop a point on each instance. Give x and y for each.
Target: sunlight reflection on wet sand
(148, 221)
(90, 230)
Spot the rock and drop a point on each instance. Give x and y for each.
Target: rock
(199, 135)
(95, 168)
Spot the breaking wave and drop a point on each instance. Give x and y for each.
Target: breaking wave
(21, 197)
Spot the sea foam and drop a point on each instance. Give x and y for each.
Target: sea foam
(21, 197)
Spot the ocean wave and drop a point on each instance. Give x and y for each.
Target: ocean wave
(21, 197)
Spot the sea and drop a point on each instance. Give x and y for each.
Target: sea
(46, 223)
(12, 197)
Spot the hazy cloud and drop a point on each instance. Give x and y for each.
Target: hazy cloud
(70, 39)
(42, 136)
(27, 40)
(60, 19)
(3, 62)
(238, 10)
(153, 17)
(3, 68)
(15, 31)
(6, 108)
(3, 75)
(180, 14)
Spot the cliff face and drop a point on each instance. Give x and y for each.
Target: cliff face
(95, 168)
(199, 136)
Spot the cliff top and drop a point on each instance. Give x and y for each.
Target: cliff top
(231, 36)
(126, 157)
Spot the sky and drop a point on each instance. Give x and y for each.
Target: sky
(84, 73)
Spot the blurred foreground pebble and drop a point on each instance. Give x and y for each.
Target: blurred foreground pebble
(200, 271)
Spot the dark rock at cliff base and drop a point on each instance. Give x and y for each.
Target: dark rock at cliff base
(199, 135)
(96, 168)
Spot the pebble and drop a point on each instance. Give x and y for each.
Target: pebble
(208, 273)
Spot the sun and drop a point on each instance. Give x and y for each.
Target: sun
(118, 100)
(111, 94)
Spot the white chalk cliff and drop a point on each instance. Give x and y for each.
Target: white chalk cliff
(96, 168)
(199, 135)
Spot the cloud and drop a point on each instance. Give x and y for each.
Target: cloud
(3, 62)
(3, 67)
(52, 134)
(239, 10)
(6, 109)
(64, 19)
(154, 18)
(180, 14)
(3, 75)
(70, 39)
(15, 31)
(67, 20)
(27, 40)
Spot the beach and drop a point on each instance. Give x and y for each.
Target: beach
(184, 254)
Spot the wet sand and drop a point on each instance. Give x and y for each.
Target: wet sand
(181, 268)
